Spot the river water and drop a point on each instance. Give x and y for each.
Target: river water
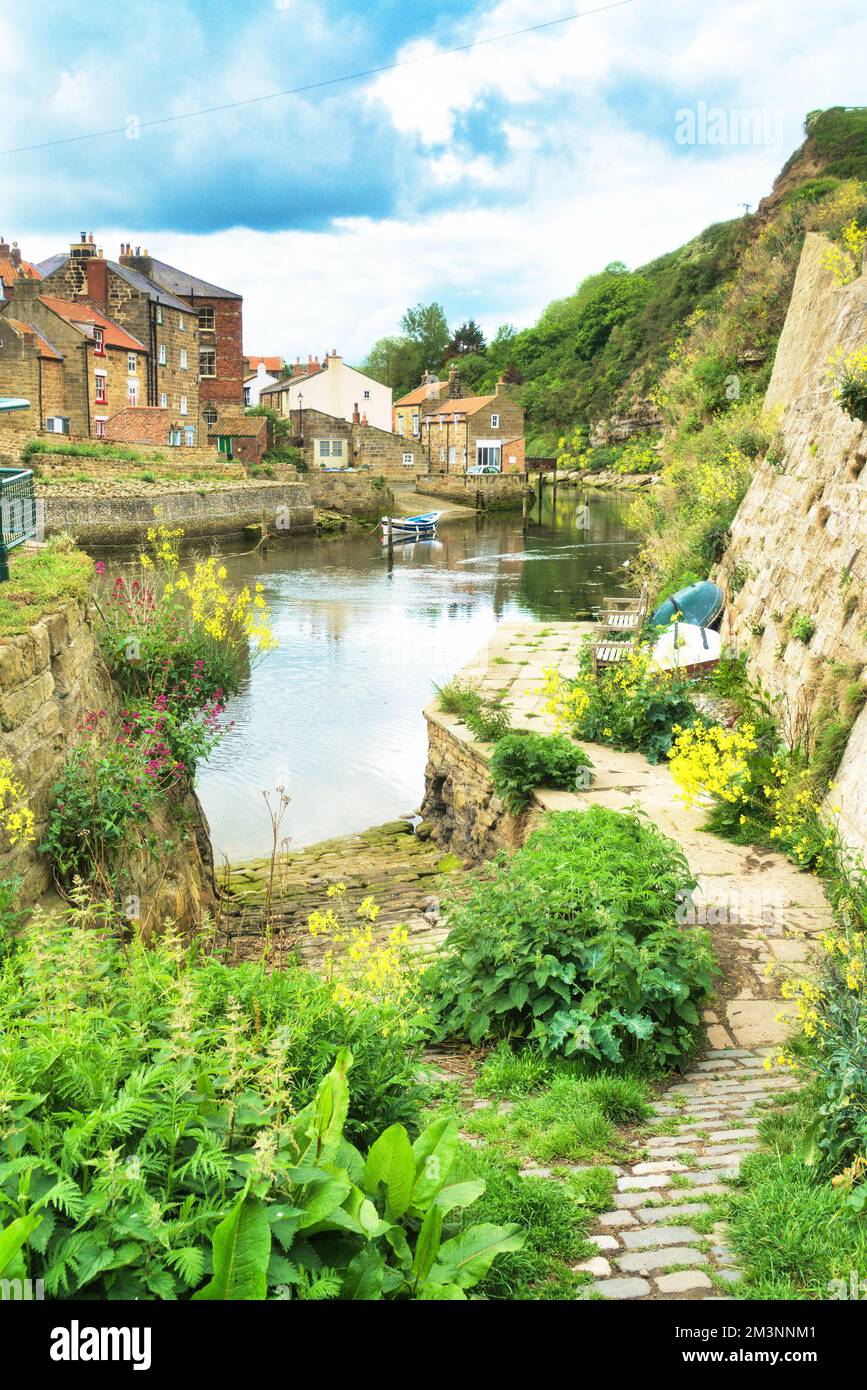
(335, 713)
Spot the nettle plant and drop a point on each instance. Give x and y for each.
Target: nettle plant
(521, 762)
(573, 944)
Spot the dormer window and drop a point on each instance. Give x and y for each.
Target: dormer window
(99, 342)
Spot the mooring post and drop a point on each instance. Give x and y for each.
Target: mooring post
(390, 539)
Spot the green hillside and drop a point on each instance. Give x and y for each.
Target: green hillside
(607, 344)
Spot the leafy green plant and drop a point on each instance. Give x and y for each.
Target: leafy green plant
(100, 797)
(573, 944)
(147, 1087)
(802, 627)
(521, 762)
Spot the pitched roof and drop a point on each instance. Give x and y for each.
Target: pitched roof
(285, 382)
(241, 426)
(43, 347)
(156, 293)
(181, 282)
(462, 405)
(78, 313)
(10, 271)
(271, 364)
(421, 393)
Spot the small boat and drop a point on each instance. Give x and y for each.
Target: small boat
(408, 528)
(687, 648)
(700, 604)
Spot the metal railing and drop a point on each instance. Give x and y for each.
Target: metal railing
(17, 512)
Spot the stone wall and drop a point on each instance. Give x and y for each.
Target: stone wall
(352, 494)
(798, 540)
(468, 817)
(118, 513)
(485, 492)
(50, 678)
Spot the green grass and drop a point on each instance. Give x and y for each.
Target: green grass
(91, 450)
(486, 719)
(788, 1225)
(39, 582)
(553, 1223)
(572, 1120)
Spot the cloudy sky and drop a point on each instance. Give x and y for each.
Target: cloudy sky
(492, 179)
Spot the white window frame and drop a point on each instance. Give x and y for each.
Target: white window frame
(183, 406)
(132, 393)
(164, 400)
(181, 325)
(190, 436)
(408, 460)
(209, 312)
(208, 376)
(415, 428)
(52, 421)
(132, 363)
(159, 313)
(175, 438)
(101, 393)
(103, 421)
(184, 359)
(495, 422)
(486, 447)
(163, 355)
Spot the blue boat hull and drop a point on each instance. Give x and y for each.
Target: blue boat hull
(701, 604)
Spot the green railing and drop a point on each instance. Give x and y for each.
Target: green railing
(17, 512)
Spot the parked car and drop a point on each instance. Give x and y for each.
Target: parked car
(478, 468)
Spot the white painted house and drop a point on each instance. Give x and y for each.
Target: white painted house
(332, 387)
(255, 384)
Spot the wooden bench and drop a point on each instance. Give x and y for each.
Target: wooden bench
(627, 618)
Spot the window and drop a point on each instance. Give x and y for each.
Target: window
(175, 438)
(183, 359)
(132, 392)
(164, 399)
(159, 313)
(209, 415)
(400, 424)
(190, 436)
(367, 395)
(415, 424)
(495, 422)
(163, 355)
(100, 423)
(132, 363)
(206, 318)
(409, 460)
(57, 424)
(101, 397)
(181, 324)
(442, 455)
(183, 406)
(207, 362)
(99, 342)
(330, 448)
(489, 455)
(246, 395)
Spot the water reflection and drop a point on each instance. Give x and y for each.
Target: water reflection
(335, 712)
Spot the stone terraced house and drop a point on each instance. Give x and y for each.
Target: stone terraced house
(76, 366)
(192, 331)
(459, 432)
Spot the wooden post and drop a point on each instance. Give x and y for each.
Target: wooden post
(390, 539)
(525, 505)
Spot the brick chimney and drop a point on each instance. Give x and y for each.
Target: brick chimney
(356, 418)
(297, 368)
(5, 248)
(456, 389)
(97, 281)
(16, 254)
(142, 261)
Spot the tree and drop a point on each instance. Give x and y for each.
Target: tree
(395, 362)
(426, 326)
(467, 339)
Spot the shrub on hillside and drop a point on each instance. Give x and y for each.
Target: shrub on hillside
(573, 944)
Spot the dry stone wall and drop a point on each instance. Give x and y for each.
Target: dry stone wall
(50, 678)
(799, 541)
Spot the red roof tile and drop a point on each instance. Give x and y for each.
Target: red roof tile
(44, 347)
(77, 312)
